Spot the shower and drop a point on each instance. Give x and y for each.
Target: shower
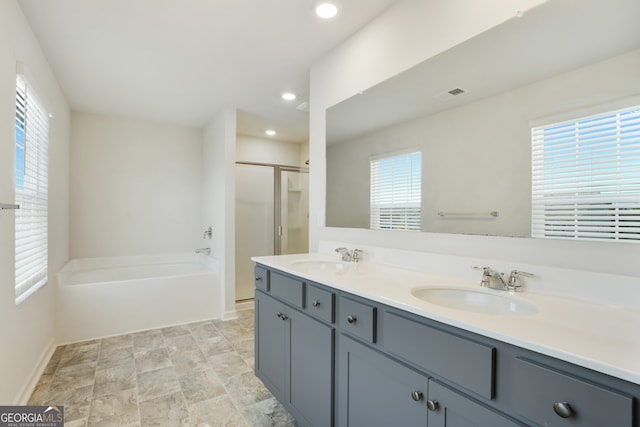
(272, 216)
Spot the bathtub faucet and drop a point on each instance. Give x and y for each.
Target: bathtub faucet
(208, 233)
(206, 251)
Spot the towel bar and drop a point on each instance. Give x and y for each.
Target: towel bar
(493, 214)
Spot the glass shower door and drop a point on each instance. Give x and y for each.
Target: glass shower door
(293, 228)
(254, 222)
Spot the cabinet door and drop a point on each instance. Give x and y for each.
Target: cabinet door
(377, 391)
(450, 409)
(311, 369)
(270, 343)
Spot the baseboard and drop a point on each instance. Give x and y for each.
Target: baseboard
(25, 393)
(229, 315)
(244, 305)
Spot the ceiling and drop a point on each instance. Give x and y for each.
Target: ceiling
(181, 61)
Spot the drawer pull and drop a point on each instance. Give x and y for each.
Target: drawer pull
(416, 395)
(351, 319)
(562, 409)
(433, 405)
(315, 303)
(281, 316)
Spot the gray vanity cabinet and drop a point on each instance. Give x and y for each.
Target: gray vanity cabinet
(311, 368)
(395, 368)
(294, 353)
(375, 390)
(550, 397)
(446, 408)
(270, 342)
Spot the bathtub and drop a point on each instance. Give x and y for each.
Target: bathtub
(100, 297)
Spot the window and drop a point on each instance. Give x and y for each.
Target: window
(396, 191)
(32, 141)
(586, 178)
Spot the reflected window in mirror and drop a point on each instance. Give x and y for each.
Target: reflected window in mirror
(586, 177)
(395, 196)
(477, 145)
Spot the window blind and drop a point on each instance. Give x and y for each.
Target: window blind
(396, 192)
(586, 178)
(31, 192)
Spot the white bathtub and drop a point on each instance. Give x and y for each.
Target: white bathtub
(99, 297)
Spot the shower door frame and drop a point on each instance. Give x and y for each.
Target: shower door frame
(277, 197)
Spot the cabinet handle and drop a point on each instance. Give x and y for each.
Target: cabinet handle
(351, 319)
(416, 395)
(279, 315)
(284, 316)
(258, 278)
(562, 409)
(433, 405)
(316, 303)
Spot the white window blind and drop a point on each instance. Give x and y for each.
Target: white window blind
(586, 178)
(32, 144)
(396, 192)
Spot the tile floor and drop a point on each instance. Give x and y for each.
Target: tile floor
(199, 374)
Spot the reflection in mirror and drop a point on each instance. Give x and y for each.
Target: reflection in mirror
(470, 111)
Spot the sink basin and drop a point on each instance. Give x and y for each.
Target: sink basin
(475, 301)
(320, 264)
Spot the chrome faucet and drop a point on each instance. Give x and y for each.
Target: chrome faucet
(208, 233)
(510, 285)
(346, 254)
(350, 256)
(206, 251)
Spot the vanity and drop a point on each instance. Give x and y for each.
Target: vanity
(344, 344)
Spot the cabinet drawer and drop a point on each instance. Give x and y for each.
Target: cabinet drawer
(320, 303)
(537, 389)
(287, 288)
(261, 278)
(358, 319)
(467, 363)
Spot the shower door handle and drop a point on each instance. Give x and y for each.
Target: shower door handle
(280, 231)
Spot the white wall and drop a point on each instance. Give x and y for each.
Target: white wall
(481, 151)
(218, 201)
(27, 330)
(304, 154)
(405, 35)
(135, 187)
(266, 150)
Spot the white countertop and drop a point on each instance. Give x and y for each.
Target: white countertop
(601, 337)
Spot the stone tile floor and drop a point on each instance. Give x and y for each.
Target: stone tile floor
(199, 374)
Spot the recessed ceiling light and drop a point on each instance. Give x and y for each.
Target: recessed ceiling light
(270, 132)
(326, 9)
(288, 96)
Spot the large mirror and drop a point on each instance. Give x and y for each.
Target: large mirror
(564, 58)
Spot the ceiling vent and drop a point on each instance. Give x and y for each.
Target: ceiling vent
(449, 94)
(303, 107)
(456, 91)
